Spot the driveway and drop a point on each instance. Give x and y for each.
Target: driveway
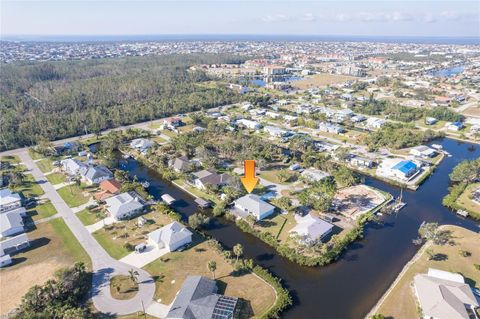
(150, 254)
(104, 266)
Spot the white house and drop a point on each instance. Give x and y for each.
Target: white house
(5, 260)
(275, 131)
(444, 295)
(171, 236)
(141, 144)
(73, 166)
(11, 223)
(209, 177)
(423, 151)
(97, 174)
(311, 229)
(124, 205)
(249, 124)
(455, 126)
(9, 200)
(314, 175)
(374, 123)
(14, 244)
(254, 205)
(330, 128)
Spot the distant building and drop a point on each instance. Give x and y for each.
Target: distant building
(249, 124)
(423, 151)
(374, 123)
(275, 131)
(274, 70)
(314, 175)
(252, 204)
(330, 128)
(455, 126)
(362, 162)
(430, 120)
(198, 299)
(97, 174)
(210, 177)
(141, 144)
(444, 295)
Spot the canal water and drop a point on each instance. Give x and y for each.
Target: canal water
(348, 288)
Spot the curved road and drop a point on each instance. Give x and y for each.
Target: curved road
(104, 266)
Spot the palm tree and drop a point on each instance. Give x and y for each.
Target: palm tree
(133, 275)
(212, 266)
(238, 251)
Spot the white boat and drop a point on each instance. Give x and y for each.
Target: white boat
(126, 156)
(167, 199)
(437, 146)
(145, 184)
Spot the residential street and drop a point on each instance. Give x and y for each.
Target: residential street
(104, 266)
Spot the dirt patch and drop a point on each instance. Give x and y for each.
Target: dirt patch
(472, 111)
(323, 79)
(16, 283)
(357, 200)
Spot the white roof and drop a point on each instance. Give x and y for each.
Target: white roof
(12, 242)
(442, 298)
(170, 234)
(442, 274)
(10, 220)
(311, 226)
(7, 197)
(123, 204)
(254, 204)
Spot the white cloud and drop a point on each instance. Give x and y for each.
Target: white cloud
(308, 17)
(272, 18)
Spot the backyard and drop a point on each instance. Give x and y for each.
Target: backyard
(172, 269)
(45, 165)
(42, 210)
(56, 178)
(53, 246)
(74, 195)
(89, 217)
(401, 302)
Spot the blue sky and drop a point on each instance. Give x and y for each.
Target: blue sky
(372, 18)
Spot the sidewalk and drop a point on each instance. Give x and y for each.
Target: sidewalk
(100, 224)
(150, 254)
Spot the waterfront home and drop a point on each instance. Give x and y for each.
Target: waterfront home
(171, 236)
(311, 229)
(444, 295)
(205, 178)
(11, 223)
(360, 161)
(455, 126)
(397, 169)
(9, 200)
(108, 188)
(252, 204)
(199, 299)
(141, 144)
(181, 164)
(73, 166)
(125, 205)
(97, 174)
(12, 245)
(312, 175)
(423, 151)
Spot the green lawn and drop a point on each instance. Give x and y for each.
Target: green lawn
(159, 139)
(73, 195)
(87, 217)
(45, 165)
(112, 247)
(12, 159)
(42, 211)
(29, 188)
(70, 242)
(34, 155)
(272, 176)
(196, 191)
(56, 178)
(278, 225)
(169, 133)
(466, 203)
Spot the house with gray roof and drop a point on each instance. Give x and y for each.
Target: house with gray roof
(11, 223)
(181, 164)
(444, 295)
(125, 205)
(14, 244)
(73, 166)
(198, 299)
(310, 229)
(171, 236)
(9, 200)
(252, 204)
(97, 174)
(210, 177)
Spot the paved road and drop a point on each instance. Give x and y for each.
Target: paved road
(104, 266)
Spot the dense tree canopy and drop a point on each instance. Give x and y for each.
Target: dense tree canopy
(60, 99)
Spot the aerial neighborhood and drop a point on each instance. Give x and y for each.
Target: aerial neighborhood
(359, 151)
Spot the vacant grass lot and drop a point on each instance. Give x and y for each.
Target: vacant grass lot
(401, 302)
(73, 195)
(53, 246)
(88, 217)
(45, 165)
(34, 155)
(321, 80)
(278, 225)
(43, 210)
(195, 191)
(29, 187)
(466, 203)
(172, 269)
(56, 178)
(12, 159)
(272, 176)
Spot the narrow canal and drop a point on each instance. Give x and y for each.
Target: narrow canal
(348, 288)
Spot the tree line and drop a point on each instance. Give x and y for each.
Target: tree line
(55, 100)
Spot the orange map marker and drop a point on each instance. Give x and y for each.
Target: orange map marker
(249, 180)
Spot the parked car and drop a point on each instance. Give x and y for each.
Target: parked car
(140, 248)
